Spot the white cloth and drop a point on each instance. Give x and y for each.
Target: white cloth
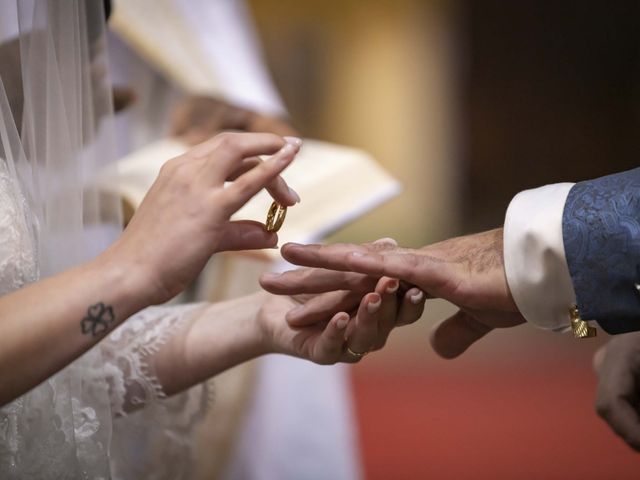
(36, 442)
(213, 48)
(228, 39)
(534, 257)
(300, 427)
(55, 135)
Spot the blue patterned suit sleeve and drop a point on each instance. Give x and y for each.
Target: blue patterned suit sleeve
(601, 232)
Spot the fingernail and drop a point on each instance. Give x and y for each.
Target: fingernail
(287, 149)
(342, 322)
(417, 298)
(373, 307)
(293, 141)
(294, 194)
(394, 287)
(387, 240)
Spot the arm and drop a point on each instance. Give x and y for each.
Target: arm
(50, 323)
(601, 230)
(169, 349)
(467, 271)
(617, 365)
(43, 326)
(576, 244)
(499, 278)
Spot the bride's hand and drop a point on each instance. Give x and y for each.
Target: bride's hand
(185, 216)
(329, 327)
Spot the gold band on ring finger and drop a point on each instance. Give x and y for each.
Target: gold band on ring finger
(356, 354)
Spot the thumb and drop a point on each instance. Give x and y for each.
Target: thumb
(451, 337)
(247, 235)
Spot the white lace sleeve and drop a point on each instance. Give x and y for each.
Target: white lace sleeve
(153, 436)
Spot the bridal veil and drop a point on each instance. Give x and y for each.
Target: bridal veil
(56, 140)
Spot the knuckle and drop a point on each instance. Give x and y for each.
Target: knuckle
(411, 262)
(359, 282)
(181, 174)
(168, 167)
(177, 172)
(227, 142)
(243, 188)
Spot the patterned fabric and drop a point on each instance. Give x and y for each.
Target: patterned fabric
(105, 415)
(601, 231)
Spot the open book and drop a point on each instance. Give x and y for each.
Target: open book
(336, 184)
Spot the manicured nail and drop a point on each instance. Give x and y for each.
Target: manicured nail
(286, 151)
(373, 307)
(387, 240)
(417, 298)
(293, 141)
(342, 322)
(294, 194)
(393, 288)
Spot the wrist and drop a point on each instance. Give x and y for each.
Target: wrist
(127, 278)
(234, 326)
(261, 333)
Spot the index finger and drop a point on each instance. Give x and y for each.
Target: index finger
(249, 184)
(377, 260)
(228, 150)
(277, 188)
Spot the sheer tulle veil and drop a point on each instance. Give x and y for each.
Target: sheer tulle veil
(56, 135)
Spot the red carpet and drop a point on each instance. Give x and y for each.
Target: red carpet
(515, 419)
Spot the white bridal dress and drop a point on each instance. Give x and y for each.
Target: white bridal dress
(104, 416)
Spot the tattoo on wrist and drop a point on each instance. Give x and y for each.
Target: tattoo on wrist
(98, 319)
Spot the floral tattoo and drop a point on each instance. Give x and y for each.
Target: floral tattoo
(98, 319)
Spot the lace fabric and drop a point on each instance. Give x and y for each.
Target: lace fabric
(18, 265)
(54, 433)
(156, 440)
(55, 136)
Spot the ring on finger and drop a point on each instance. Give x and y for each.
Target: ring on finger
(356, 354)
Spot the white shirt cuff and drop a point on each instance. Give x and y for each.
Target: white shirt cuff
(534, 258)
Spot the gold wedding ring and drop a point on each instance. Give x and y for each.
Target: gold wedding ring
(275, 217)
(356, 354)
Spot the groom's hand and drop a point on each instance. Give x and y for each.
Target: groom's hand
(618, 396)
(467, 271)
